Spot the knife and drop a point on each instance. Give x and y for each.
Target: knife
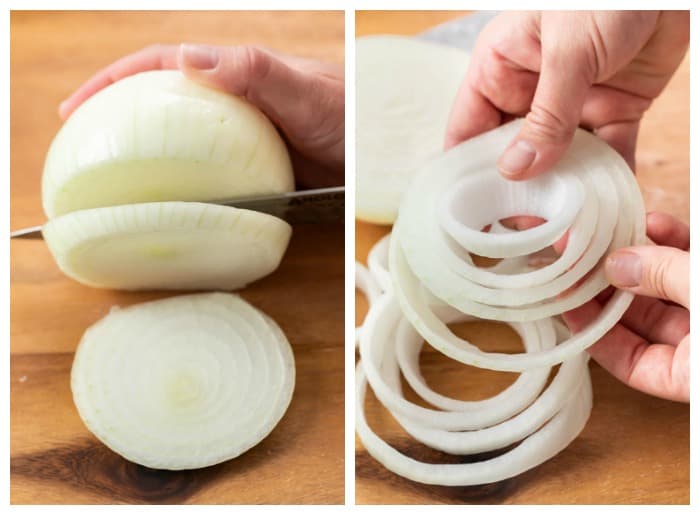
(298, 207)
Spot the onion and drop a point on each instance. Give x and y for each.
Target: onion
(404, 90)
(167, 245)
(158, 136)
(365, 282)
(592, 197)
(423, 256)
(533, 450)
(185, 382)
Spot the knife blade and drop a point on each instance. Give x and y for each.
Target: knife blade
(298, 207)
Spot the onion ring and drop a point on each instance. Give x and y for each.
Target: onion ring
(591, 196)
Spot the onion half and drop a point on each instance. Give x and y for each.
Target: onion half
(157, 136)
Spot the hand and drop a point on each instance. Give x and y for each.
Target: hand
(599, 70)
(305, 99)
(649, 349)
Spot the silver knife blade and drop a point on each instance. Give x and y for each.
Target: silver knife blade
(321, 205)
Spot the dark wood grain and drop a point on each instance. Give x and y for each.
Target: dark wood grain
(634, 448)
(53, 457)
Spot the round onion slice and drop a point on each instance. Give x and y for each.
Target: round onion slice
(184, 382)
(167, 245)
(402, 113)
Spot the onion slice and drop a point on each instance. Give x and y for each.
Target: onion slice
(167, 245)
(402, 113)
(184, 382)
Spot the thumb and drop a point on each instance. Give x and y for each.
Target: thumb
(564, 81)
(654, 271)
(301, 104)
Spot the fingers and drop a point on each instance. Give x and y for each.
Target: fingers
(566, 76)
(307, 107)
(622, 136)
(155, 57)
(661, 272)
(614, 116)
(665, 229)
(472, 113)
(506, 53)
(656, 369)
(657, 321)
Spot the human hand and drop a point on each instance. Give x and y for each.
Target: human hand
(600, 70)
(649, 348)
(304, 98)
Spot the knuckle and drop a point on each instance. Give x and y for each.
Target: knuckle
(546, 125)
(255, 62)
(658, 276)
(494, 72)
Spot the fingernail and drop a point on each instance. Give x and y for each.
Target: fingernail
(517, 158)
(200, 57)
(624, 269)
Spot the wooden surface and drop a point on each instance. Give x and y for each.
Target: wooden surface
(54, 459)
(635, 448)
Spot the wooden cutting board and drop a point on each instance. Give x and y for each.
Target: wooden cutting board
(635, 448)
(54, 459)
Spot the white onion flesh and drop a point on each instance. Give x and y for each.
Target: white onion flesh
(537, 448)
(404, 90)
(420, 257)
(167, 245)
(591, 196)
(157, 136)
(185, 382)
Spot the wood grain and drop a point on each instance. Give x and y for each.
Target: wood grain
(635, 448)
(54, 459)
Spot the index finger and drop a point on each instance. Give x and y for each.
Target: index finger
(155, 57)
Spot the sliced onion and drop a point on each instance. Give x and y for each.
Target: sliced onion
(537, 448)
(419, 259)
(378, 263)
(184, 382)
(379, 331)
(157, 136)
(593, 198)
(366, 283)
(167, 245)
(404, 90)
